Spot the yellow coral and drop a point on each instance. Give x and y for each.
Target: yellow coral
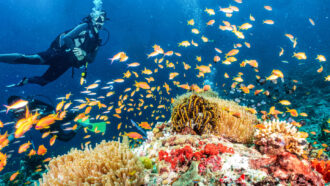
(109, 163)
(207, 113)
(146, 162)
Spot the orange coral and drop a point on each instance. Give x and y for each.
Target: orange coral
(322, 167)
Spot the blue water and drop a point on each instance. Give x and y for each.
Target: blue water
(135, 26)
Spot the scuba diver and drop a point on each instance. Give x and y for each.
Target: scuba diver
(45, 109)
(74, 48)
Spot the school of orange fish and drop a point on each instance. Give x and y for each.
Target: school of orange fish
(148, 92)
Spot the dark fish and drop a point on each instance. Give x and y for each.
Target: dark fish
(261, 81)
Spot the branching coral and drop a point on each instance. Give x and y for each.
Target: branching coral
(276, 136)
(207, 113)
(109, 163)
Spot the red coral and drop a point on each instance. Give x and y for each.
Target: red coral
(211, 149)
(323, 167)
(288, 168)
(208, 156)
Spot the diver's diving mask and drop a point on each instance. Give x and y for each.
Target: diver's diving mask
(99, 22)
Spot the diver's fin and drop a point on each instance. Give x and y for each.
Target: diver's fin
(98, 126)
(12, 85)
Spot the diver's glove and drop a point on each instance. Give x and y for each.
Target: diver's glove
(24, 81)
(79, 53)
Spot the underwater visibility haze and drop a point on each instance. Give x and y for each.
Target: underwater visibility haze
(169, 92)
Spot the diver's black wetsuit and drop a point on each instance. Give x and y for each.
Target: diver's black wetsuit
(45, 109)
(60, 56)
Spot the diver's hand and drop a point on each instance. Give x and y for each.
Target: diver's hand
(79, 53)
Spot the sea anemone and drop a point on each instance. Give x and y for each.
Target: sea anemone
(109, 163)
(206, 113)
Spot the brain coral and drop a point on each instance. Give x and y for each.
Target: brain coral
(109, 163)
(207, 113)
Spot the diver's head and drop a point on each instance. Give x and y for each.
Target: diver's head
(98, 19)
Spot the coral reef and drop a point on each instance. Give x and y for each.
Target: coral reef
(186, 159)
(274, 137)
(208, 159)
(205, 113)
(109, 163)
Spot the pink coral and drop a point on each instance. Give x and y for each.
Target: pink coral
(288, 168)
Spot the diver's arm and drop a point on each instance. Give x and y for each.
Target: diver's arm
(68, 39)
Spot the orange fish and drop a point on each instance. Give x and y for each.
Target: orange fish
(42, 150)
(88, 110)
(116, 57)
(47, 159)
(269, 8)
(237, 114)
(293, 112)
(184, 86)
(326, 130)
(18, 104)
(24, 147)
(13, 176)
(210, 23)
(135, 64)
(118, 80)
(311, 21)
(92, 86)
(145, 125)
(52, 140)
(32, 152)
(269, 22)
(45, 122)
(320, 69)
(206, 87)
(260, 126)
(216, 59)
(204, 69)
(119, 125)
(142, 85)
(134, 135)
(233, 52)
